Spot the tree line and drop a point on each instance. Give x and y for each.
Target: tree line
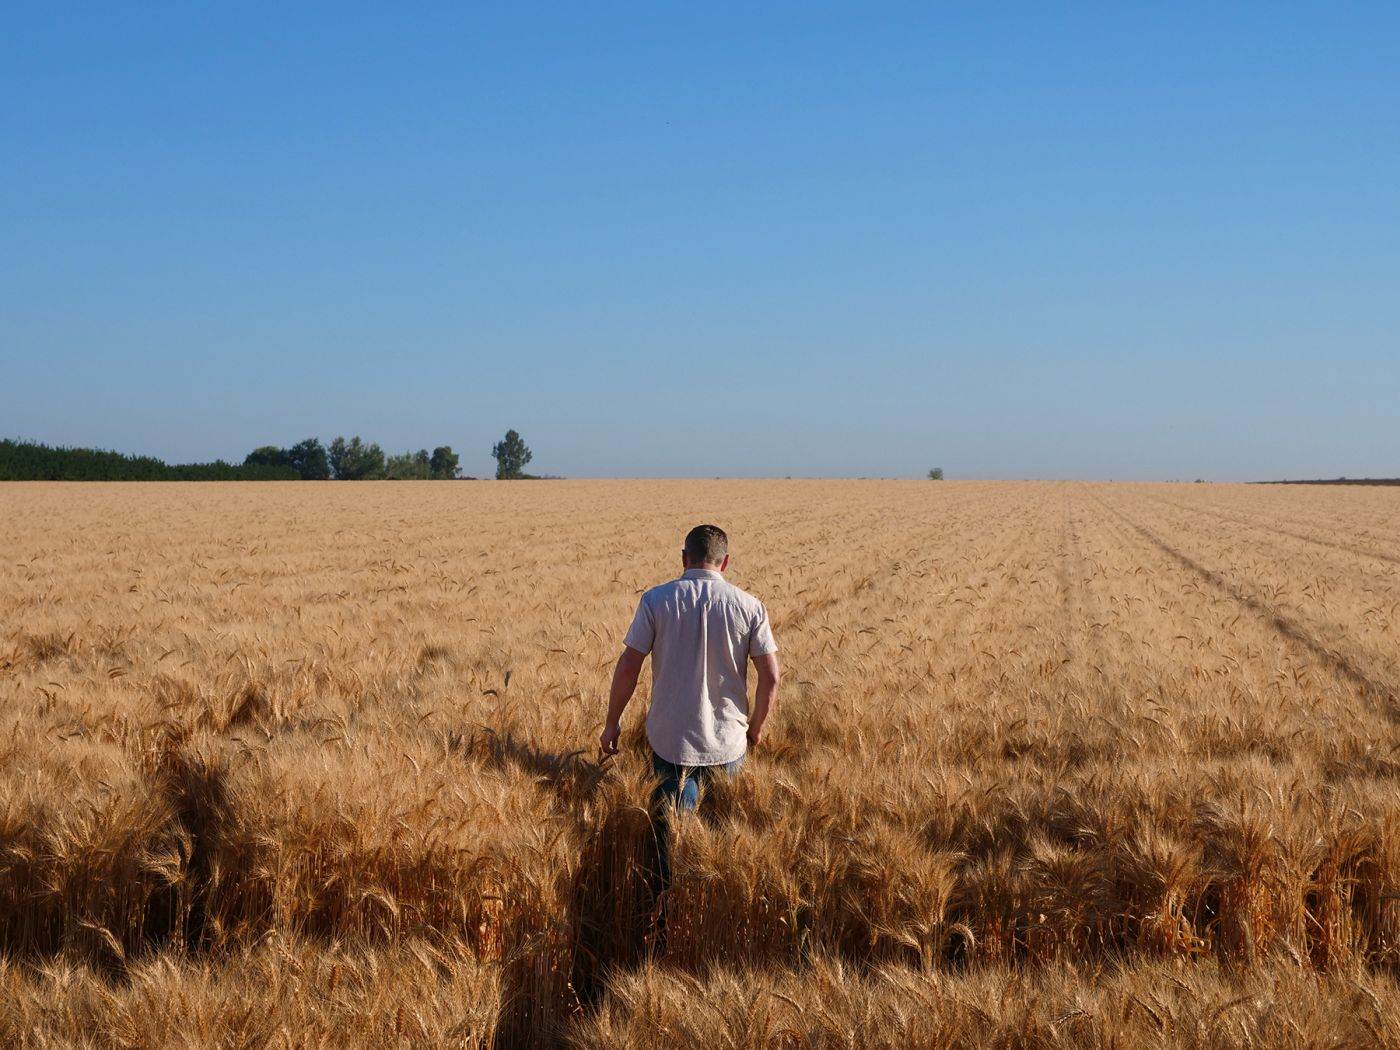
(357, 460)
(350, 459)
(32, 461)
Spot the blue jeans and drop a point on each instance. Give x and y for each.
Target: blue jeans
(677, 791)
(680, 786)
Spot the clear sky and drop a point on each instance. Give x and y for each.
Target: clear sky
(1108, 240)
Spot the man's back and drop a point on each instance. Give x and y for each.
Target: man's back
(701, 632)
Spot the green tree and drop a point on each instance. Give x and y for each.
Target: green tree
(443, 464)
(353, 460)
(27, 461)
(339, 456)
(410, 466)
(308, 458)
(511, 455)
(268, 456)
(936, 474)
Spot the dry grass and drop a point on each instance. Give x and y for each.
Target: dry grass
(1055, 764)
(279, 993)
(1150, 1005)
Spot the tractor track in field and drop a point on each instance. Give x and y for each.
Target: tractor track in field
(1074, 595)
(1296, 633)
(1335, 545)
(1090, 610)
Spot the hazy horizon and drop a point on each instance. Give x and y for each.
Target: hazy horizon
(1095, 244)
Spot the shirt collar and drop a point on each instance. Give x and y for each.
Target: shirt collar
(702, 574)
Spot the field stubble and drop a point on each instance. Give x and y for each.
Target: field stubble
(1055, 764)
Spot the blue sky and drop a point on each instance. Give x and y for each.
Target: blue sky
(1101, 240)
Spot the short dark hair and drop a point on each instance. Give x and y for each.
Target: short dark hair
(706, 543)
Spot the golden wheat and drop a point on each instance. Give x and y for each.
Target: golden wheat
(1055, 764)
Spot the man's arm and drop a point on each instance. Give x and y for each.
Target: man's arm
(624, 684)
(769, 675)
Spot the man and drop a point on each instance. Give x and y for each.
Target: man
(701, 632)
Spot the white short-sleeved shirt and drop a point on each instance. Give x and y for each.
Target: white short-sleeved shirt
(701, 631)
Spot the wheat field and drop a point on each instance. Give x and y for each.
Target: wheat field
(1054, 764)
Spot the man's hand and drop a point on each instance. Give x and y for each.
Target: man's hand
(769, 675)
(608, 741)
(624, 683)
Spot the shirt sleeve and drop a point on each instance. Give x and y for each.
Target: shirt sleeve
(642, 633)
(761, 641)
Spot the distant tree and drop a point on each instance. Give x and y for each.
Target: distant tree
(339, 456)
(443, 463)
(511, 455)
(308, 458)
(400, 467)
(410, 466)
(373, 461)
(268, 456)
(936, 474)
(353, 460)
